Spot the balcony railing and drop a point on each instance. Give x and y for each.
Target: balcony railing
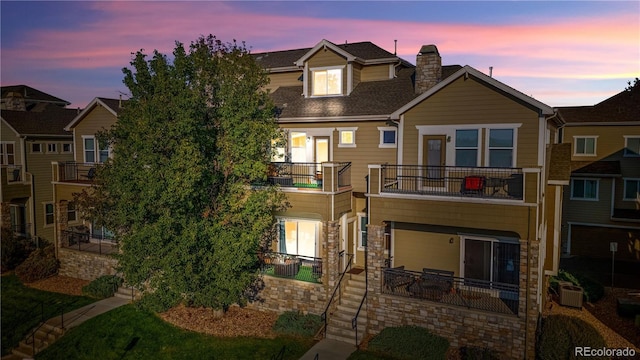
(298, 267)
(310, 175)
(14, 173)
(72, 171)
(85, 241)
(344, 174)
(480, 182)
(447, 289)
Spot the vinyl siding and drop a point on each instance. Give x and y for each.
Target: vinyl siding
(8, 135)
(585, 211)
(357, 74)
(375, 72)
(469, 103)
(416, 250)
(609, 144)
(97, 120)
(309, 205)
(284, 79)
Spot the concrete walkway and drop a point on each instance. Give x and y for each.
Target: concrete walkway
(328, 349)
(78, 316)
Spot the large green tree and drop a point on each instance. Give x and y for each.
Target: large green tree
(190, 141)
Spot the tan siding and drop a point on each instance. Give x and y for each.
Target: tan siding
(357, 74)
(586, 211)
(14, 190)
(469, 102)
(519, 219)
(327, 58)
(309, 203)
(609, 144)
(531, 187)
(98, 120)
(550, 211)
(284, 79)
(342, 204)
(375, 72)
(8, 135)
(417, 250)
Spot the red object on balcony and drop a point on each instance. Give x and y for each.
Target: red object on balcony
(473, 183)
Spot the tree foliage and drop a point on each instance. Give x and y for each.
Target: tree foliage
(189, 143)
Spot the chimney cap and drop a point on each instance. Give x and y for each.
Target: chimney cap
(428, 49)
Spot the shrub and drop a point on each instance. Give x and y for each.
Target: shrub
(13, 250)
(560, 335)
(103, 287)
(593, 290)
(296, 324)
(409, 342)
(476, 353)
(40, 264)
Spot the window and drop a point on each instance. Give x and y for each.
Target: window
(467, 147)
(584, 145)
(347, 137)
(52, 148)
(91, 154)
(7, 153)
(501, 147)
(71, 212)
(36, 148)
(327, 82)
(298, 237)
(48, 214)
(100, 232)
(277, 151)
(362, 234)
(584, 189)
(631, 146)
(388, 137)
(67, 148)
(491, 260)
(631, 189)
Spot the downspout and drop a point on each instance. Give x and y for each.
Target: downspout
(33, 188)
(366, 248)
(528, 283)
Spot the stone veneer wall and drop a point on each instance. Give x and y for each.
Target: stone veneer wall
(511, 336)
(282, 295)
(85, 265)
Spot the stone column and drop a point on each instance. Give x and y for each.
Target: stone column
(62, 224)
(331, 265)
(529, 275)
(375, 259)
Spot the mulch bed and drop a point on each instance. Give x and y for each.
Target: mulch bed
(60, 284)
(605, 311)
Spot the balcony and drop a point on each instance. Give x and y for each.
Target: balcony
(328, 177)
(468, 182)
(443, 287)
(81, 239)
(73, 172)
(296, 267)
(14, 173)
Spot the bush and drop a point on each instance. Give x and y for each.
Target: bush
(476, 353)
(13, 250)
(409, 342)
(560, 335)
(593, 290)
(40, 264)
(296, 324)
(103, 287)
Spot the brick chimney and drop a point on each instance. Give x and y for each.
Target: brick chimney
(428, 68)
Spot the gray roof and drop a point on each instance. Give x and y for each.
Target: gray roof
(30, 94)
(46, 123)
(622, 107)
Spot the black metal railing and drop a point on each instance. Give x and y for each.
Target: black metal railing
(14, 173)
(344, 175)
(72, 171)
(88, 242)
(300, 175)
(336, 289)
(435, 285)
(482, 182)
(292, 266)
(31, 337)
(354, 321)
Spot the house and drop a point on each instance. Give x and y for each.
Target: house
(82, 247)
(602, 205)
(448, 206)
(32, 136)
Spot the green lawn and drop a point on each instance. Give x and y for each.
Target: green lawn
(129, 333)
(21, 309)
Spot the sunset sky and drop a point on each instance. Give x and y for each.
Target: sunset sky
(561, 53)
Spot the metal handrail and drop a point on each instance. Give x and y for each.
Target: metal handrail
(335, 289)
(32, 336)
(354, 321)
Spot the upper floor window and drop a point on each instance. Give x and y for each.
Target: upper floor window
(584, 145)
(36, 148)
(327, 82)
(631, 189)
(347, 137)
(93, 153)
(72, 214)
(632, 146)
(584, 189)
(52, 148)
(67, 148)
(7, 153)
(501, 147)
(388, 137)
(48, 214)
(467, 147)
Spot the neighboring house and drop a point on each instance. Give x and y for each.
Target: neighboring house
(32, 136)
(602, 203)
(82, 247)
(437, 179)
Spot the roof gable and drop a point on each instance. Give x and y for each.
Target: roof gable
(30, 94)
(112, 105)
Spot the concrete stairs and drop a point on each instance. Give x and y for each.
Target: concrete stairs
(128, 293)
(45, 335)
(339, 322)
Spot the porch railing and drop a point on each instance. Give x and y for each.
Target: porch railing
(300, 175)
(14, 173)
(482, 182)
(447, 289)
(292, 266)
(85, 241)
(344, 174)
(72, 171)
(336, 290)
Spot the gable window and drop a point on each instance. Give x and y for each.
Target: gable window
(632, 146)
(347, 137)
(93, 154)
(584, 145)
(52, 148)
(388, 137)
(48, 214)
(327, 82)
(67, 148)
(584, 189)
(7, 153)
(501, 147)
(467, 147)
(36, 148)
(631, 189)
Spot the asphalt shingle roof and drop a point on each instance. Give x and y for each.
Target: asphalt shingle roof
(560, 162)
(48, 122)
(31, 94)
(602, 167)
(622, 107)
